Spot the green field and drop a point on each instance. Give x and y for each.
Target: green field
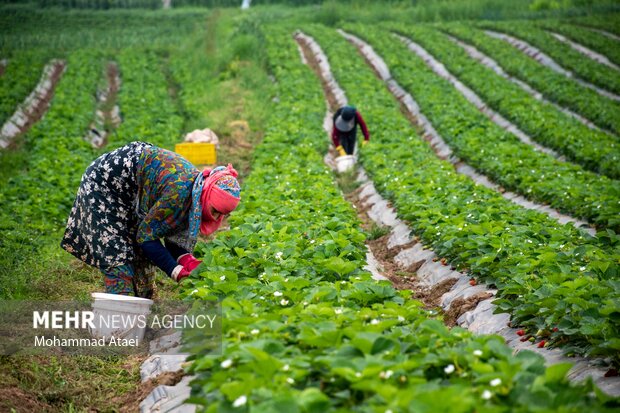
(306, 328)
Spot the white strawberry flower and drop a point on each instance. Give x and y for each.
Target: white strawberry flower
(240, 401)
(495, 382)
(449, 369)
(277, 294)
(386, 374)
(226, 363)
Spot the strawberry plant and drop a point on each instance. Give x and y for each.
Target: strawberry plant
(567, 57)
(147, 110)
(589, 38)
(22, 73)
(556, 87)
(592, 149)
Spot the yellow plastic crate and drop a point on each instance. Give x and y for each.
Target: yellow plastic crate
(197, 153)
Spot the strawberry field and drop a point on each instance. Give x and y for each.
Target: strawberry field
(506, 180)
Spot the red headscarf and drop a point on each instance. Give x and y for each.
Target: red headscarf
(220, 191)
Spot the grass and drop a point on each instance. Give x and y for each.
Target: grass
(377, 231)
(68, 383)
(347, 181)
(232, 95)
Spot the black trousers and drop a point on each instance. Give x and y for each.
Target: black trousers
(348, 142)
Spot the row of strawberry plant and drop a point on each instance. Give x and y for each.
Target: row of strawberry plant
(20, 77)
(591, 39)
(305, 330)
(37, 198)
(567, 57)
(147, 109)
(608, 23)
(528, 256)
(502, 156)
(593, 149)
(556, 87)
(58, 30)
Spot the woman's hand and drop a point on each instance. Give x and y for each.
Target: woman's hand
(179, 273)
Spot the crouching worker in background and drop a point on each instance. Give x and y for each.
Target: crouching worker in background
(135, 197)
(344, 129)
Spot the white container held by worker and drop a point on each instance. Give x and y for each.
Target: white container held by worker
(345, 163)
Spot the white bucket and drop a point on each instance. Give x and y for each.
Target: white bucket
(345, 163)
(120, 316)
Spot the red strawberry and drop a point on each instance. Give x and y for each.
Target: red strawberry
(472, 282)
(520, 332)
(555, 329)
(541, 344)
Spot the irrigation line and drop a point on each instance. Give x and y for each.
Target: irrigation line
(597, 57)
(432, 272)
(545, 60)
(493, 65)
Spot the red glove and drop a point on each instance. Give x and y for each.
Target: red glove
(179, 273)
(189, 262)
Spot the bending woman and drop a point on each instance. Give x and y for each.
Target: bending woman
(140, 206)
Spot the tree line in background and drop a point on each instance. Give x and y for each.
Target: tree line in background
(150, 4)
(531, 5)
